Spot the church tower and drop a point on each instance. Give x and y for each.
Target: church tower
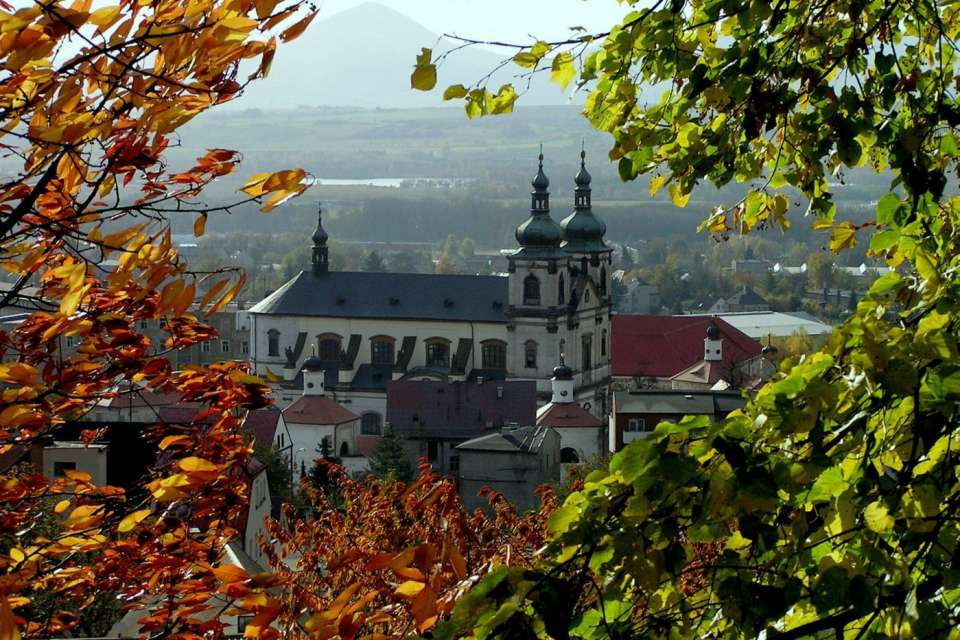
(538, 290)
(321, 257)
(588, 312)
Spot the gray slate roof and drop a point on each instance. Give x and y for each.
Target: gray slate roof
(678, 402)
(520, 440)
(411, 296)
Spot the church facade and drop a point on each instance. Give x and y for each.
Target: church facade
(369, 329)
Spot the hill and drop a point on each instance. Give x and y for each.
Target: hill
(363, 57)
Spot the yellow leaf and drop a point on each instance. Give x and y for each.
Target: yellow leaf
(409, 589)
(17, 555)
(18, 373)
(562, 69)
(193, 464)
(132, 520)
(104, 16)
(678, 197)
(455, 91)
(424, 76)
(169, 441)
(61, 506)
(844, 236)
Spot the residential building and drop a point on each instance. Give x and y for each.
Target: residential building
(746, 299)
(637, 413)
(684, 352)
(435, 416)
(582, 435)
(513, 461)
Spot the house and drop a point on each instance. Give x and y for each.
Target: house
(582, 435)
(371, 329)
(61, 456)
(746, 299)
(684, 352)
(314, 419)
(761, 325)
(637, 413)
(513, 461)
(435, 416)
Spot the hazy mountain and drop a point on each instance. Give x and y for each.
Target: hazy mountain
(364, 56)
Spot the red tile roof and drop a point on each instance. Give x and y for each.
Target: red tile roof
(262, 423)
(662, 346)
(567, 415)
(317, 410)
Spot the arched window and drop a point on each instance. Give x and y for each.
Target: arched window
(381, 350)
(586, 352)
(603, 281)
(328, 347)
(530, 354)
(371, 424)
(569, 455)
(273, 342)
(344, 449)
(531, 290)
(561, 292)
(603, 342)
(438, 353)
(494, 354)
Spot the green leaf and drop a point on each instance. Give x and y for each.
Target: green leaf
(678, 197)
(526, 60)
(844, 236)
(424, 76)
(562, 69)
(878, 517)
(455, 91)
(829, 485)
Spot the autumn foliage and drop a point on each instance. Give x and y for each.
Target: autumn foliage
(381, 558)
(90, 100)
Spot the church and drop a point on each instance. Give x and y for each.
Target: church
(366, 330)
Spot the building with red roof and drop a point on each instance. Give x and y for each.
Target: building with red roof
(684, 352)
(581, 433)
(315, 418)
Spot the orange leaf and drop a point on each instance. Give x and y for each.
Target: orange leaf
(194, 464)
(230, 574)
(170, 441)
(8, 622)
(294, 32)
(199, 225)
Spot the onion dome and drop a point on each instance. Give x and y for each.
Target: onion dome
(313, 363)
(582, 230)
(713, 331)
(319, 236)
(562, 372)
(539, 236)
(320, 255)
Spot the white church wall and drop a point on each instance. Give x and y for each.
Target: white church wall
(586, 441)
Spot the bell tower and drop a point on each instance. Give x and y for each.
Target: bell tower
(536, 299)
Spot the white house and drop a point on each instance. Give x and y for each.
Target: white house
(581, 433)
(314, 418)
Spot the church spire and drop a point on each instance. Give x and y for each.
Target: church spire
(321, 258)
(581, 193)
(540, 197)
(539, 234)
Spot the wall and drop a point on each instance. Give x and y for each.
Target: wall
(306, 438)
(91, 459)
(259, 509)
(587, 441)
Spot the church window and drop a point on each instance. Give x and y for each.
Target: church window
(586, 356)
(371, 424)
(531, 290)
(273, 342)
(381, 350)
(603, 342)
(530, 354)
(438, 353)
(603, 281)
(561, 293)
(586, 295)
(494, 354)
(328, 347)
(568, 455)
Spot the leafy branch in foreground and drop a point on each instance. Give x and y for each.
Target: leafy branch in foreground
(829, 505)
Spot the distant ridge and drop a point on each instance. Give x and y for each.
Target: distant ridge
(363, 57)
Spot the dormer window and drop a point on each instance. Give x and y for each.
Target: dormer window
(531, 290)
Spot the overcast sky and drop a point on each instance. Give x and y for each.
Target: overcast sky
(510, 20)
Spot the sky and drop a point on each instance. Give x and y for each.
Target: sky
(487, 19)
